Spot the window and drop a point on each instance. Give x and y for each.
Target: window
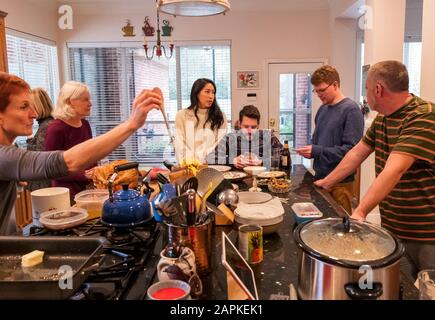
(117, 74)
(295, 108)
(360, 53)
(412, 60)
(35, 61)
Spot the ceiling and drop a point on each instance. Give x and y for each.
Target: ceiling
(236, 5)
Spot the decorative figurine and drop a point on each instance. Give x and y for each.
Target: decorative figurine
(128, 30)
(148, 30)
(167, 29)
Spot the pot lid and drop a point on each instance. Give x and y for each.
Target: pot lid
(355, 241)
(125, 194)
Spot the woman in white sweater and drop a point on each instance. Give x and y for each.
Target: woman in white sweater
(199, 128)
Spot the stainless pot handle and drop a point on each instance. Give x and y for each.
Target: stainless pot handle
(356, 293)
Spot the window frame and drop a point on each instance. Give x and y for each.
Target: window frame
(179, 99)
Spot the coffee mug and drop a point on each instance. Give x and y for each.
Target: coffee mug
(186, 262)
(49, 199)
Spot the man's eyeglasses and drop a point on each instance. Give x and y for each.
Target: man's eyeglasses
(320, 91)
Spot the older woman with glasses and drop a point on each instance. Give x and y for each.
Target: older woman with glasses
(16, 119)
(70, 128)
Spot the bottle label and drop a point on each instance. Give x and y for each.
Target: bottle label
(284, 161)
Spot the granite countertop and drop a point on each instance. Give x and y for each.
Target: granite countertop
(279, 268)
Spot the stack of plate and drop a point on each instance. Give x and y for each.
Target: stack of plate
(269, 215)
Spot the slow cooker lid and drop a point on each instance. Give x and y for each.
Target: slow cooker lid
(362, 242)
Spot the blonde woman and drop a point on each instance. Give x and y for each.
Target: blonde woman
(44, 108)
(69, 129)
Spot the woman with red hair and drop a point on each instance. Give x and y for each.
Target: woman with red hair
(16, 119)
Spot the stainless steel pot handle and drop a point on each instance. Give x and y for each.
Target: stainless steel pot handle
(356, 293)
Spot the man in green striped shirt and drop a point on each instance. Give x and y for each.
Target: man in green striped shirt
(403, 138)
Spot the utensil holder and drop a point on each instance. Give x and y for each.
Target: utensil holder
(198, 238)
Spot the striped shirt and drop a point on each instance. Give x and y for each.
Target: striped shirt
(409, 210)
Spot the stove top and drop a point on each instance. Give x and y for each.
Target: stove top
(127, 265)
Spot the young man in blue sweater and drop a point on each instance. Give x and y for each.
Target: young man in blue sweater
(339, 127)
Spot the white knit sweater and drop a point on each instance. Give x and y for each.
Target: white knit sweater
(193, 140)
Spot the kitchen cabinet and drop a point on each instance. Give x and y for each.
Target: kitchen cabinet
(3, 50)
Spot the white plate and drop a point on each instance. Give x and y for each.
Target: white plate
(63, 219)
(234, 175)
(220, 168)
(265, 214)
(271, 174)
(254, 197)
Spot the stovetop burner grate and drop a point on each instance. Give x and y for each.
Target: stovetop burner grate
(126, 255)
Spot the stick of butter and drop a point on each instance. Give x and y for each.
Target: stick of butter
(32, 259)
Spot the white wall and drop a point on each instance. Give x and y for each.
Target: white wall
(29, 17)
(428, 52)
(255, 37)
(344, 52)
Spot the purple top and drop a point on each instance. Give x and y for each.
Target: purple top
(62, 136)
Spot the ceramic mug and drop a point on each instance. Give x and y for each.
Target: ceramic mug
(49, 199)
(186, 262)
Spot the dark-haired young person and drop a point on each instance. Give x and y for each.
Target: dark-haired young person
(249, 140)
(199, 128)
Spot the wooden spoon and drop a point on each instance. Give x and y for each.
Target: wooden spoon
(162, 109)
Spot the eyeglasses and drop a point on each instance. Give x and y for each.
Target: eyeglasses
(320, 91)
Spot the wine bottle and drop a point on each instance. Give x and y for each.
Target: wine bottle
(285, 158)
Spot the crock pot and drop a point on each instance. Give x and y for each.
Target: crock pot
(342, 259)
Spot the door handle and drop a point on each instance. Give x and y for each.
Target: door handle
(272, 123)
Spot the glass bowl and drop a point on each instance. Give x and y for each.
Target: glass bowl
(279, 185)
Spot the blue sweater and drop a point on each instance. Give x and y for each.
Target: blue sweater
(339, 128)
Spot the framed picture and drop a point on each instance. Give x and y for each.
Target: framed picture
(248, 79)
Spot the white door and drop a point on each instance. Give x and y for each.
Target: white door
(292, 105)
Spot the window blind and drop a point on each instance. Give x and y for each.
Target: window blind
(35, 62)
(117, 74)
(412, 60)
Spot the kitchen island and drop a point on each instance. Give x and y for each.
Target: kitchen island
(279, 268)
